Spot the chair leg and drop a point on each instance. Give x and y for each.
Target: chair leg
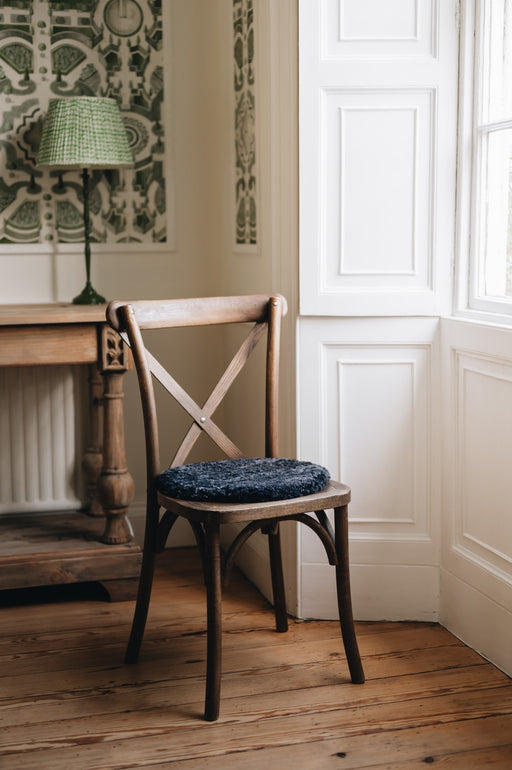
(278, 590)
(212, 570)
(145, 581)
(141, 606)
(199, 535)
(344, 597)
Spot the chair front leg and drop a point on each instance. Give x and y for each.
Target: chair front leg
(145, 584)
(141, 607)
(212, 572)
(278, 589)
(344, 596)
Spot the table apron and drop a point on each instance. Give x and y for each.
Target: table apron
(48, 344)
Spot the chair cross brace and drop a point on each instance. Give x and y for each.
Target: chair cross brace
(202, 416)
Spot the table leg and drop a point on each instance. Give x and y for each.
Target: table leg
(93, 456)
(115, 487)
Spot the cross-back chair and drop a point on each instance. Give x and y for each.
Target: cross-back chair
(257, 492)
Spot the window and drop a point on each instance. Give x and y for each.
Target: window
(490, 285)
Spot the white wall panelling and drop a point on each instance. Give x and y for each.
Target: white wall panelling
(484, 421)
(378, 107)
(477, 531)
(366, 28)
(390, 131)
(368, 393)
(378, 124)
(377, 114)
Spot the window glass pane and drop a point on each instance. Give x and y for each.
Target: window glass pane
(495, 237)
(496, 61)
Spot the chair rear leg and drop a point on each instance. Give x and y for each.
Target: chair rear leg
(212, 572)
(344, 596)
(276, 567)
(141, 607)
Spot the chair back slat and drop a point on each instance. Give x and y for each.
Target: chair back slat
(133, 337)
(264, 311)
(272, 378)
(152, 314)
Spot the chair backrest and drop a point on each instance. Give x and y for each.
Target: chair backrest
(263, 311)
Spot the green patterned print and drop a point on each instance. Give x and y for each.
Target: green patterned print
(54, 48)
(245, 128)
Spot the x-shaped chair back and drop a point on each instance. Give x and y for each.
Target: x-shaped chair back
(263, 311)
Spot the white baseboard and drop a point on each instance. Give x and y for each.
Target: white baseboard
(379, 592)
(477, 620)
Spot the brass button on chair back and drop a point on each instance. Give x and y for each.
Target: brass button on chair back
(257, 492)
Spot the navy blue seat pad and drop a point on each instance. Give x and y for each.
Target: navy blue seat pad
(251, 480)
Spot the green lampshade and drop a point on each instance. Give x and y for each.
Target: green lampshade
(84, 132)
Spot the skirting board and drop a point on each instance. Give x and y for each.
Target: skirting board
(379, 592)
(477, 620)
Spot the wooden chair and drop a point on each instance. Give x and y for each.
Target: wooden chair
(264, 492)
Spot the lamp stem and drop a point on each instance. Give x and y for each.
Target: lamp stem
(88, 296)
(87, 225)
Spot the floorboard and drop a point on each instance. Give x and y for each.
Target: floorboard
(68, 701)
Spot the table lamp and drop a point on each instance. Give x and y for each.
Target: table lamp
(84, 132)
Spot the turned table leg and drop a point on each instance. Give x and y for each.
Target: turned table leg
(93, 457)
(115, 488)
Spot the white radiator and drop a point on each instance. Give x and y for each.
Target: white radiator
(41, 438)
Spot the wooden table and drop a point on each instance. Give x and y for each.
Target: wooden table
(95, 545)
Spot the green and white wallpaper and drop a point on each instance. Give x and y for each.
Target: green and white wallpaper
(245, 123)
(50, 48)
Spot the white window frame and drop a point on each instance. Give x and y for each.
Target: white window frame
(468, 300)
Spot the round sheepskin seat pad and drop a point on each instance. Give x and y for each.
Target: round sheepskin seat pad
(251, 480)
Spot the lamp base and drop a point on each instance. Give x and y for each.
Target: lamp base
(89, 297)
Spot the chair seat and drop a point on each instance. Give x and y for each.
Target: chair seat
(247, 480)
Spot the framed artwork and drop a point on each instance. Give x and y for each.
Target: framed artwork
(53, 48)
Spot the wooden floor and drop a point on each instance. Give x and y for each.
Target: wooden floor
(68, 702)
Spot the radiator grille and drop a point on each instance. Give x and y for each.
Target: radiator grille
(41, 438)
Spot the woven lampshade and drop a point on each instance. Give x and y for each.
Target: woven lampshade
(84, 132)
